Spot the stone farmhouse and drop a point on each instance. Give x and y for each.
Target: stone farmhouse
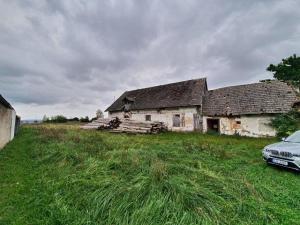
(9, 122)
(189, 106)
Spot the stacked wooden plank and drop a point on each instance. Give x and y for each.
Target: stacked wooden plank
(143, 127)
(116, 125)
(158, 127)
(103, 123)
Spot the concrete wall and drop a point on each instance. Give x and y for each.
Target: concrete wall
(252, 126)
(166, 116)
(7, 125)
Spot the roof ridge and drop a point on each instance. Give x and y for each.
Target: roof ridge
(243, 85)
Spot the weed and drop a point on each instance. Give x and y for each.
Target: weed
(158, 170)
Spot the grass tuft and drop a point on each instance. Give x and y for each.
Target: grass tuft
(158, 171)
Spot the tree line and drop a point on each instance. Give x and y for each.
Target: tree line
(64, 119)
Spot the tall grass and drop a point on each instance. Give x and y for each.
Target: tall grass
(58, 174)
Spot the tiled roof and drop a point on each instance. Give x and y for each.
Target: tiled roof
(181, 94)
(259, 98)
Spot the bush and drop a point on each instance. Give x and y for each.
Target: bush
(59, 119)
(75, 119)
(56, 119)
(85, 120)
(285, 124)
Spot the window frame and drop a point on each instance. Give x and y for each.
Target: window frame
(148, 117)
(175, 122)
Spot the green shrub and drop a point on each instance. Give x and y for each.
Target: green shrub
(75, 119)
(84, 120)
(287, 123)
(56, 119)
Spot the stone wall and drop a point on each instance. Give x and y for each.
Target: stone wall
(7, 125)
(166, 116)
(252, 126)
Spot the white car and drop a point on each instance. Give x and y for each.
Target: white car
(285, 153)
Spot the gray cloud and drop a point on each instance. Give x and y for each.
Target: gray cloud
(77, 56)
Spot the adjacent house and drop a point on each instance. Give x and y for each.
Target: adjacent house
(9, 122)
(189, 106)
(247, 109)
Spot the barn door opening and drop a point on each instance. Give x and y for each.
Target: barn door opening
(213, 125)
(197, 122)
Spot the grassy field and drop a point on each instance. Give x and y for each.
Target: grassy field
(58, 174)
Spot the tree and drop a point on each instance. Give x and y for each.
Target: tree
(74, 119)
(84, 120)
(45, 119)
(286, 124)
(287, 70)
(99, 114)
(59, 119)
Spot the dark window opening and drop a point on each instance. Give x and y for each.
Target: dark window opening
(148, 117)
(176, 120)
(213, 125)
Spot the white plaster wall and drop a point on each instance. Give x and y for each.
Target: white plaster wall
(13, 124)
(166, 116)
(6, 118)
(252, 126)
(257, 126)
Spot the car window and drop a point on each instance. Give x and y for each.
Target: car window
(295, 138)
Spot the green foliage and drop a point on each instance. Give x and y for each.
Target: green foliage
(287, 70)
(75, 119)
(286, 124)
(55, 119)
(59, 174)
(62, 119)
(85, 119)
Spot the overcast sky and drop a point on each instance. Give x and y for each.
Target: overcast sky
(72, 57)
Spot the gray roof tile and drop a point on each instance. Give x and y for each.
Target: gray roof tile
(259, 98)
(181, 94)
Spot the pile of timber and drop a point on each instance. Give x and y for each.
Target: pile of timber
(103, 124)
(143, 127)
(116, 125)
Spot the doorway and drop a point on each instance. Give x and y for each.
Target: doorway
(197, 126)
(213, 125)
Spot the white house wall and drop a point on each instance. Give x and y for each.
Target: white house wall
(13, 124)
(166, 116)
(7, 125)
(252, 126)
